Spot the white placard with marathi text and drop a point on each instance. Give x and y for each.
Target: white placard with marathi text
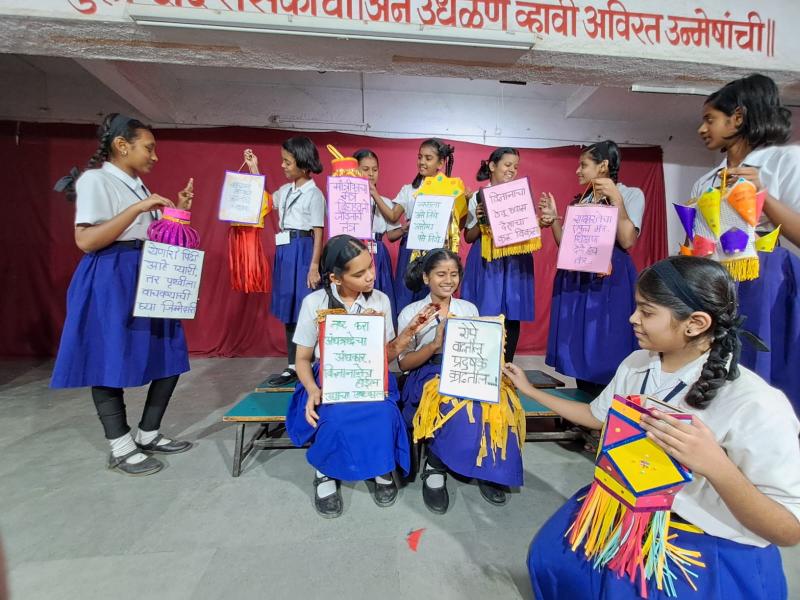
(429, 222)
(169, 282)
(471, 362)
(352, 361)
(242, 198)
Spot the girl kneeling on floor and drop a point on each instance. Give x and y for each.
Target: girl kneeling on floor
(463, 442)
(349, 441)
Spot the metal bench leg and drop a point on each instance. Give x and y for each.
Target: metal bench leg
(237, 451)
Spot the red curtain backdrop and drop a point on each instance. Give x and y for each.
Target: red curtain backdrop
(38, 253)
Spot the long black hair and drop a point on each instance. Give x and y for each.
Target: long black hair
(765, 121)
(445, 152)
(305, 153)
(336, 254)
(426, 264)
(114, 125)
(484, 172)
(705, 284)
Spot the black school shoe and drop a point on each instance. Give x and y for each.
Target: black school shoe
(331, 506)
(171, 447)
(437, 500)
(492, 493)
(287, 377)
(147, 467)
(385, 494)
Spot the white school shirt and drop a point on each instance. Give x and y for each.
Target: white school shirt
(104, 193)
(300, 208)
(307, 331)
(405, 198)
(379, 224)
(754, 423)
(458, 307)
(632, 199)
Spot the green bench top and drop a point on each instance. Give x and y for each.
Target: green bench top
(272, 406)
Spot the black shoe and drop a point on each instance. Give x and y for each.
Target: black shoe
(385, 494)
(436, 499)
(492, 493)
(147, 467)
(331, 506)
(289, 376)
(171, 447)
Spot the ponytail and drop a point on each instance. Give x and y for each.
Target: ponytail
(336, 254)
(484, 172)
(425, 264)
(445, 152)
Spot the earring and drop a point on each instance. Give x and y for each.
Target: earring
(124, 154)
(688, 332)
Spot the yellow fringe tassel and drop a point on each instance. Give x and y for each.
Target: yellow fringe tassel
(743, 269)
(500, 418)
(490, 252)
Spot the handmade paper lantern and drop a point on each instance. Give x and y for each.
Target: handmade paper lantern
(173, 228)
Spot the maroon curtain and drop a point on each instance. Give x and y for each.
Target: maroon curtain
(38, 253)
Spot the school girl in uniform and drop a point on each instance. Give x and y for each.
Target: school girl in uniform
(741, 445)
(434, 155)
(384, 278)
(301, 217)
(103, 346)
(589, 332)
(358, 440)
(746, 121)
(503, 285)
(455, 446)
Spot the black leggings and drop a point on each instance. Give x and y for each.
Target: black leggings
(512, 339)
(110, 405)
(291, 347)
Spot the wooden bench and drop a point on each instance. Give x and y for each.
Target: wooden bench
(268, 409)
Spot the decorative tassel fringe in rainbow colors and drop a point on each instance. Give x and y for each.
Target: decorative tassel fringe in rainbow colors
(490, 252)
(624, 521)
(501, 418)
(173, 228)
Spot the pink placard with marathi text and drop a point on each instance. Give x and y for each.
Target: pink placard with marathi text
(512, 216)
(349, 207)
(589, 233)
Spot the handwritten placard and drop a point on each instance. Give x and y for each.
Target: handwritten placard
(429, 222)
(352, 362)
(169, 281)
(588, 239)
(471, 359)
(241, 197)
(349, 207)
(512, 216)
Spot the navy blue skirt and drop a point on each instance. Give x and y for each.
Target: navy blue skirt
(384, 281)
(771, 304)
(733, 571)
(457, 442)
(353, 441)
(289, 278)
(402, 295)
(590, 334)
(102, 343)
(502, 286)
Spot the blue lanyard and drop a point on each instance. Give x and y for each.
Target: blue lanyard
(670, 396)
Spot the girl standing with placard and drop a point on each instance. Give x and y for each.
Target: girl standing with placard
(103, 346)
(589, 330)
(502, 285)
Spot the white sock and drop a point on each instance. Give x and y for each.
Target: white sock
(291, 366)
(123, 445)
(146, 437)
(385, 480)
(326, 488)
(435, 480)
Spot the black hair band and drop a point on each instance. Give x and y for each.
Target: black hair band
(677, 284)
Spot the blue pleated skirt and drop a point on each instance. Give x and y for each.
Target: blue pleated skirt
(402, 295)
(384, 280)
(457, 442)
(733, 571)
(771, 304)
(501, 286)
(353, 441)
(289, 278)
(590, 334)
(102, 343)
